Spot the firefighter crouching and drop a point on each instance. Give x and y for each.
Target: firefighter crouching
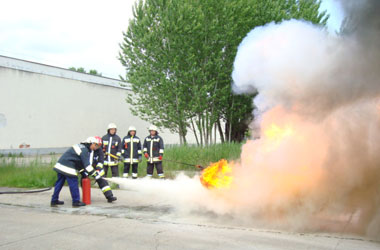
(153, 152)
(75, 159)
(131, 152)
(97, 159)
(111, 149)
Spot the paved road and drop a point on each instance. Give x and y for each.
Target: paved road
(28, 222)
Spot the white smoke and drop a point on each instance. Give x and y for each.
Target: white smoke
(303, 67)
(326, 87)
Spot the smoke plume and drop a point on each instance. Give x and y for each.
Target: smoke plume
(318, 156)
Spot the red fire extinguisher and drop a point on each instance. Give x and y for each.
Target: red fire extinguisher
(86, 190)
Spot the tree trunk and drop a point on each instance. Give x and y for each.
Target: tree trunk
(183, 132)
(226, 130)
(195, 131)
(210, 132)
(204, 131)
(214, 133)
(220, 131)
(200, 128)
(207, 129)
(180, 138)
(230, 127)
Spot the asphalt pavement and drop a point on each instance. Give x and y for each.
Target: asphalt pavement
(28, 222)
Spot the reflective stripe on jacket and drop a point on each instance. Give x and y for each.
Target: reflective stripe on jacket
(154, 147)
(131, 149)
(74, 159)
(112, 145)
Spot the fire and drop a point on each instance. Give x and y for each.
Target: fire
(276, 134)
(217, 175)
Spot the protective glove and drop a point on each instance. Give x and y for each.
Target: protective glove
(160, 157)
(83, 173)
(146, 155)
(96, 175)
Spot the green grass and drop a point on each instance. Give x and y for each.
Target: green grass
(30, 175)
(200, 156)
(10, 155)
(35, 174)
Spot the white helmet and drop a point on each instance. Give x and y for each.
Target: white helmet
(112, 125)
(131, 128)
(152, 127)
(94, 139)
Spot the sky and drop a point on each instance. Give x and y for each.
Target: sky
(84, 33)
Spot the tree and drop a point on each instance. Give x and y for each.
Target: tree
(179, 55)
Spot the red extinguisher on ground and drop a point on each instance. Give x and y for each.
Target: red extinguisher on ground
(86, 190)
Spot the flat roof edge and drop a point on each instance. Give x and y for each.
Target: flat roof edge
(28, 66)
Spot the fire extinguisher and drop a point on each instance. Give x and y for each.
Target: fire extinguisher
(86, 190)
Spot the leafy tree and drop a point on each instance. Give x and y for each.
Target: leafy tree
(179, 58)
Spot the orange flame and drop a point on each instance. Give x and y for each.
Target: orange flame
(276, 134)
(217, 175)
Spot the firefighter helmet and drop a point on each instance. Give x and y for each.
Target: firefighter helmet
(99, 140)
(152, 127)
(112, 125)
(131, 128)
(94, 139)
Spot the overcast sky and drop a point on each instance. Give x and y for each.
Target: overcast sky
(80, 33)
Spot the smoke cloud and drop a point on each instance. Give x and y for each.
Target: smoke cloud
(319, 94)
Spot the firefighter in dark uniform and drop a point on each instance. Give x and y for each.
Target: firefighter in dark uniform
(153, 152)
(75, 159)
(112, 150)
(97, 159)
(131, 152)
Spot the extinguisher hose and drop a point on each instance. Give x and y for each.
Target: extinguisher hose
(27, 191)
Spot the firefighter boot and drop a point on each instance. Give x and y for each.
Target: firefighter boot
(55, 203)
(79, 204)
(111, 199)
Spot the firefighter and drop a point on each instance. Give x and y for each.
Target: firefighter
(131, 152)
(76, 158)
(97, 159)
(112, 150)
(153, 152)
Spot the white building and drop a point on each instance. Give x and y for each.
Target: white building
(48, 107)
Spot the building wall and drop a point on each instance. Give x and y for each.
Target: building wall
(46, 110)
